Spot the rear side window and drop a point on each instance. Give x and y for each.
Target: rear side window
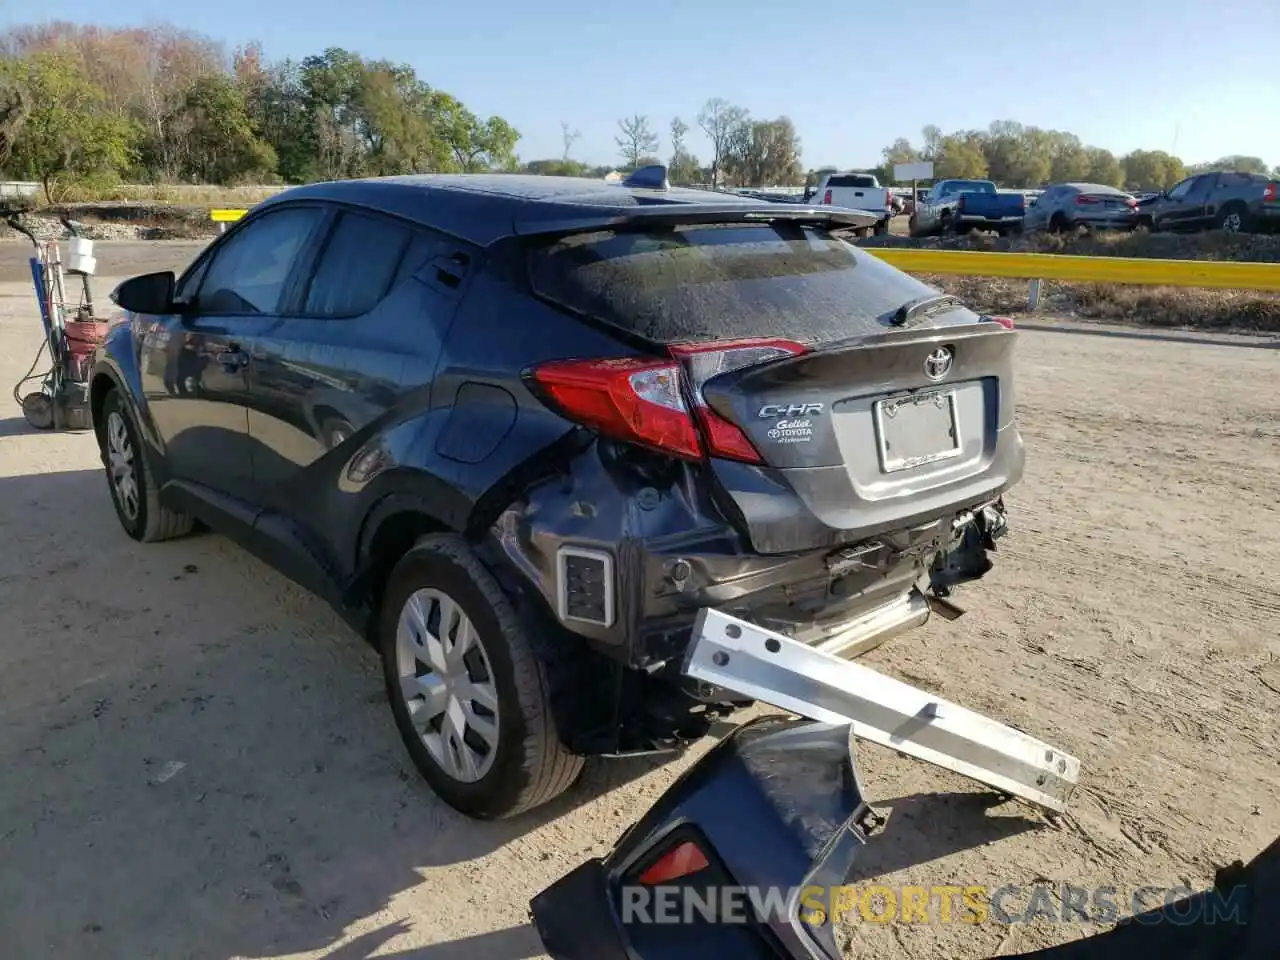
(862, 182)
(357, 266)
(722, 282)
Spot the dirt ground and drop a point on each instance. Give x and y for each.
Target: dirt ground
(198, 761)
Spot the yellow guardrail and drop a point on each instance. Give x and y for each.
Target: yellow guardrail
(1230, 275)
(226, 216)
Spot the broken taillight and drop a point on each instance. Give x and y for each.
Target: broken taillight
(641, 400)
(680, 861)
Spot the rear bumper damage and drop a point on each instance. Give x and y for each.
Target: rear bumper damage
(627, 566)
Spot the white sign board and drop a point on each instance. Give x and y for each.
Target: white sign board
(913, 171)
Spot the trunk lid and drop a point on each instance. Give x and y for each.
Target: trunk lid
(889, 407)
(878, 434)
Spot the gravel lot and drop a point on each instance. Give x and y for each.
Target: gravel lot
(199, 762)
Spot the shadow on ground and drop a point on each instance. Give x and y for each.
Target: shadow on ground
(201, 759)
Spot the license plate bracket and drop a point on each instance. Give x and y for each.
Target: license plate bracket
(916, 429)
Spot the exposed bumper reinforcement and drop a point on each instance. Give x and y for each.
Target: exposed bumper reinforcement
(906, 612)
(771, 667)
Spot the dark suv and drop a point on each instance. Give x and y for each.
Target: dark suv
(520, 430)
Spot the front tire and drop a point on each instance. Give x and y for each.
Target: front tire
(469, 694)
(134, 491)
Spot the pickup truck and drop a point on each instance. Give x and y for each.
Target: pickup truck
(855, 191)
(958, 206)
(1218, 200)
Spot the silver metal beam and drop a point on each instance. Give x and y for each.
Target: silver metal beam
(771, 667)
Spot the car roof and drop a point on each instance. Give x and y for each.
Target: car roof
(1092, 188)
(482, 208)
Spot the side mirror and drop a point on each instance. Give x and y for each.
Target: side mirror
(151, 293)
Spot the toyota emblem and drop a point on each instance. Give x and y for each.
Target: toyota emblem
(938, 364)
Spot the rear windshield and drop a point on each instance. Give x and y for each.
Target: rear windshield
(725, 281)
(852, 181)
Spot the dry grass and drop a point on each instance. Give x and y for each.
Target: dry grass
(1171, 307)
(181, 194)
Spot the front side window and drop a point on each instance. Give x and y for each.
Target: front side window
(248, 271)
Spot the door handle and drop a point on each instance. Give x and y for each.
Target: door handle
(233, 358)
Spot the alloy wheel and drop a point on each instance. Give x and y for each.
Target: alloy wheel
(447, 684)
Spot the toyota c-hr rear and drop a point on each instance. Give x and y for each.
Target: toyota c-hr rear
(520, 430)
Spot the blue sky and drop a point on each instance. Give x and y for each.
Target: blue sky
(1191, 76)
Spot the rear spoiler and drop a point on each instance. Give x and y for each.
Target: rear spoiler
(675, 214)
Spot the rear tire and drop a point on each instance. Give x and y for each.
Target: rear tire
(1233, 218)
(478, 724)
(134, 491)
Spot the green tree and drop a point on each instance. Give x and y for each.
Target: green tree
(960, 155)
(765, 153)
(1104, 167)
(636, 140)
(67, 135)
(220, 144)
(1152, 169)
(1234, 162)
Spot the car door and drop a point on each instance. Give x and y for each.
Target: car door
(195, 376)
(355, 339)
(1198, 203)
(1175, 209)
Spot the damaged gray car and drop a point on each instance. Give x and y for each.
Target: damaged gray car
(520, 431)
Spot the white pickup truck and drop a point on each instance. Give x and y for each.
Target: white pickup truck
(855, 191)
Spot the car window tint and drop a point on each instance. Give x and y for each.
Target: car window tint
(249, 270)
(356, 267)
(860, 182)
(191, 282)
(722, 282)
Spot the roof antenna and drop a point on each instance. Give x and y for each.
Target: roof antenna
(652, 177)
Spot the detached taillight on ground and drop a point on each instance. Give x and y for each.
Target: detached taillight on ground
(641, 400)
(682, 860)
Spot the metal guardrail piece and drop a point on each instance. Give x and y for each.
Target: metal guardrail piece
(764, 665)
(1228, 275)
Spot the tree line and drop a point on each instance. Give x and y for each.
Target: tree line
(91, 106)
(1015, 155)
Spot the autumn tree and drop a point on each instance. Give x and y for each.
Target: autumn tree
(67, 135)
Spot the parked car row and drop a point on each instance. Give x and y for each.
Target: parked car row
(1220, 200)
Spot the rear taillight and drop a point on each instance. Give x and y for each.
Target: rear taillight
(680, 861)
(1005, 322)
(642, 401)
(826, 198)
(1083, 200)
(1132, 203)
(1269, 193)
(960, 202)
